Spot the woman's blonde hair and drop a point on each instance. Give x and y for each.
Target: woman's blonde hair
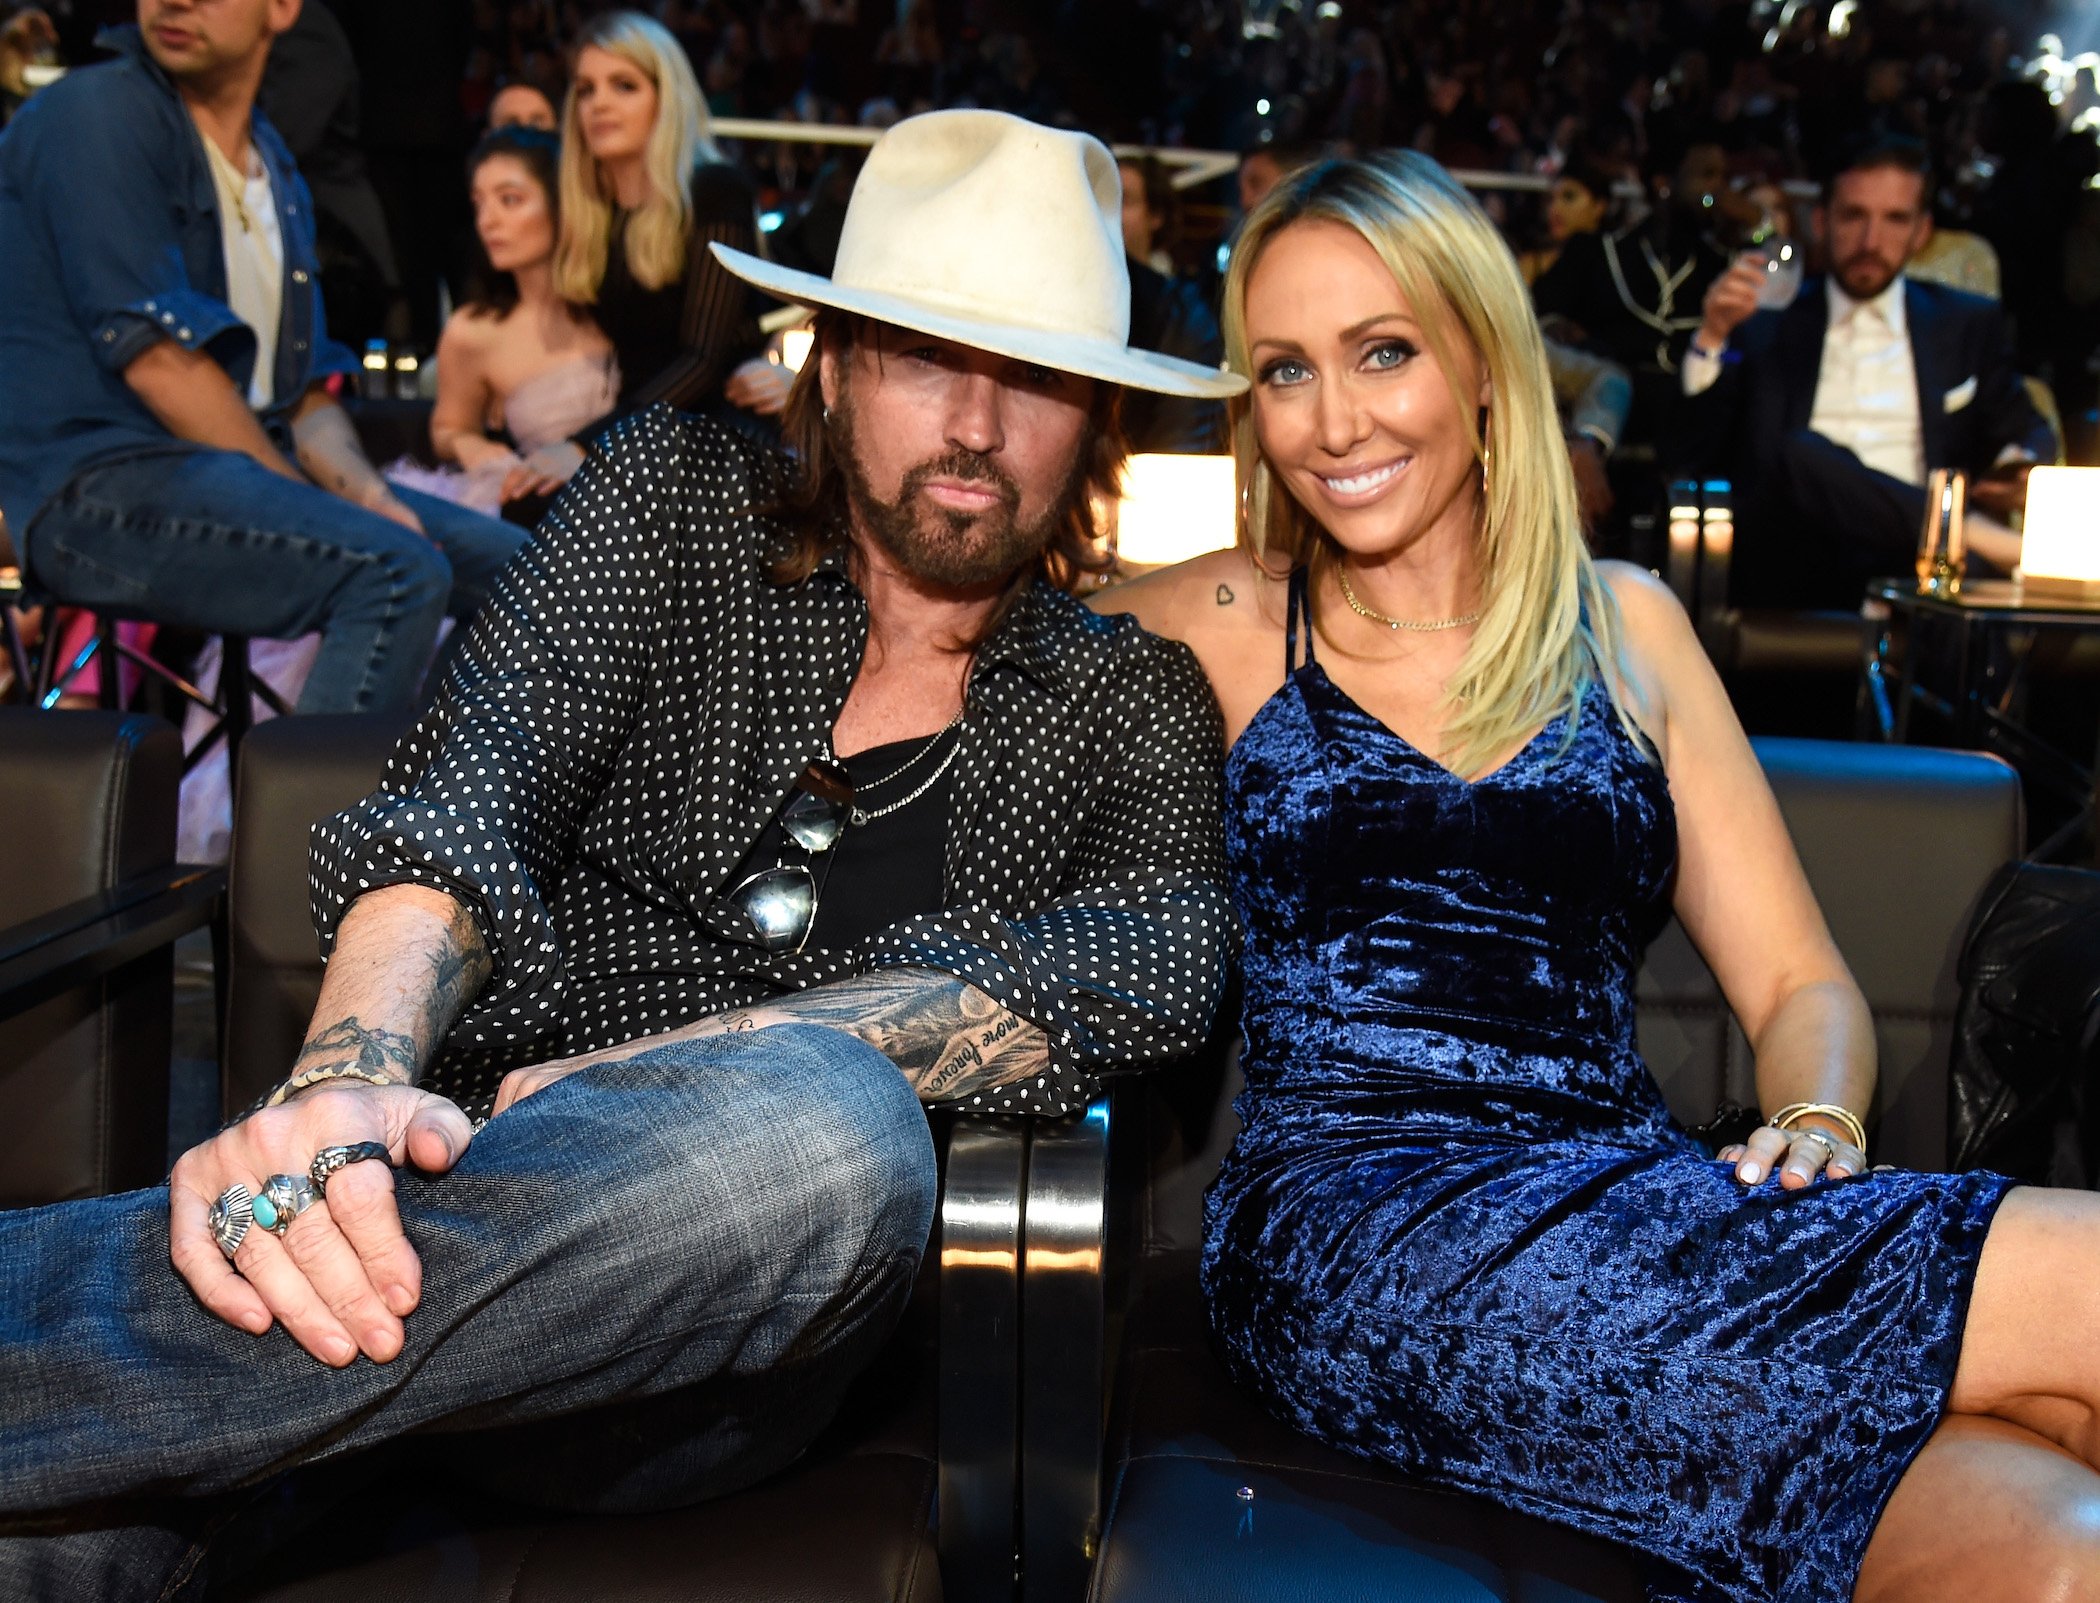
(1549, 630)
(656, 233)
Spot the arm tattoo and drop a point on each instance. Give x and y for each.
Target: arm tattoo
(347, 1041)
(947, 1037)
(459, 967)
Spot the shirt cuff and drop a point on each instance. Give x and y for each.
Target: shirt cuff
(192, 320)
(1698, 370)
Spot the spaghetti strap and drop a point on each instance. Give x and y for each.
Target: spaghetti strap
(1297, 606)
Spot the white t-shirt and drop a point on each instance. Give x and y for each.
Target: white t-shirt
(254, 245)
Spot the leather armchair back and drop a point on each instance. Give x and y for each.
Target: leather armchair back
(88, 801)
(294, 772)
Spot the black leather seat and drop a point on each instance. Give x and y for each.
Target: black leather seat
(1209, 1498)
(88, 803)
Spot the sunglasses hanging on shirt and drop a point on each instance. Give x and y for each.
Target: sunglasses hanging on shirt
(775, 908)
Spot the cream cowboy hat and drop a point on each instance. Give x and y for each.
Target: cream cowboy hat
(998, 234)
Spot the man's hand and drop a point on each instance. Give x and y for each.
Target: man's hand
(1730, 300)
(2002, 491)
(343, 1276)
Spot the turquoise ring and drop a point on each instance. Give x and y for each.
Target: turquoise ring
(282, 1199)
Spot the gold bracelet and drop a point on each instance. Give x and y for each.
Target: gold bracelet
(326, 1072)
(1786, 1117)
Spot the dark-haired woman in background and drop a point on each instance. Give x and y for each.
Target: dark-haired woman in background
(517, 359)
(1578, 203)
(644, 192)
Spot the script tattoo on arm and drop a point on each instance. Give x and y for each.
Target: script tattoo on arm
(948, 1038)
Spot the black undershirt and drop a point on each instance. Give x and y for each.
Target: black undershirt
(885, 870)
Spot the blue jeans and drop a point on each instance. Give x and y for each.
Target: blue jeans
(212, 540)
(729, 1227)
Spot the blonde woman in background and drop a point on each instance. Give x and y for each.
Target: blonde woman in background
(644, 192)
(1472, 772)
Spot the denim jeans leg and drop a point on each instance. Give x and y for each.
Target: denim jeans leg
(741, 1212)
(479, 548)
(214, 541)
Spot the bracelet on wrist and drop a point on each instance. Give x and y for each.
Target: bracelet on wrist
(326, 1072)
(1792, 1114)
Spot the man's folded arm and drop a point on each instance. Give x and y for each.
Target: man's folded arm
(484, 796)
(1126, 966)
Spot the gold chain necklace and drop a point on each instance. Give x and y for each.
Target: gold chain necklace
(1431, 627)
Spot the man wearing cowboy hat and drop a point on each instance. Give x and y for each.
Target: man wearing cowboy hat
(767, 802)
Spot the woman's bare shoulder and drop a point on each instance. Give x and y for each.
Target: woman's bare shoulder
(1208, 597)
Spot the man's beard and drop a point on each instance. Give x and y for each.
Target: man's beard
(1882, 276)
(961, 550)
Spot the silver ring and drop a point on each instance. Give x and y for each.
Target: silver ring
(232, 1212)
(1830, 1146)
(330, 1159)
(282, 1199)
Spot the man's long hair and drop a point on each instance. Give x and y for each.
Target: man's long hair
(816, 508)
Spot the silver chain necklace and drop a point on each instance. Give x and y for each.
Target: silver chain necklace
(863, 816)
(1431, 627)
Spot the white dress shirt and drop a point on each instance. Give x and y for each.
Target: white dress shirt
(1867, 388)
(253, 241)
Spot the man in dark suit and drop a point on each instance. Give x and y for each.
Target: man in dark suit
(1829, 414)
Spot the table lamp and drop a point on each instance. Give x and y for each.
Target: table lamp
(2060, 540)
(1175, 507)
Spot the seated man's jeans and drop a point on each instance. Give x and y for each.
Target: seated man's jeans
(729, 1227)
(213, 540)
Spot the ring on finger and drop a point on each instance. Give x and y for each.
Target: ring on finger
(232, 1213)
(330, 1159)
(282, 1199)
(1829, 1146)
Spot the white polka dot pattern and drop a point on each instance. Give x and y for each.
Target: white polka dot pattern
(637, 699)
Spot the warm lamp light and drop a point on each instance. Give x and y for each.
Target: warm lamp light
(1174, 508)
(794, 348)
(2060, 540)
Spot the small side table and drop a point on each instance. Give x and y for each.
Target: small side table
(1965, 661)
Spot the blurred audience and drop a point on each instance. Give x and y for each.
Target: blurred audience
(518, 104)
(169, 448)
(1578, 203)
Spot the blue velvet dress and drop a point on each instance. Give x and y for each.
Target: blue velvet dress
(1460, 1231)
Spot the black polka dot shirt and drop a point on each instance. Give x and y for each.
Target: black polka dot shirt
(637, 700)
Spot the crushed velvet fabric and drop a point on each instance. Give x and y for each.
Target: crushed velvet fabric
(1460, 1232)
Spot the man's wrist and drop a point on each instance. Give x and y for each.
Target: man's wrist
(329, 1073)
(1710, 345)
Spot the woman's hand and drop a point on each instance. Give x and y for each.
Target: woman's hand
(343, 1275)
(759, 386)
(1799, 1157)
(477, 452)
(543, 471)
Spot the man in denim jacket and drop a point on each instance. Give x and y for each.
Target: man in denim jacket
(167, 448)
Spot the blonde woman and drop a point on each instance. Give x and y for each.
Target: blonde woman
(1472, 771)
(644, 192)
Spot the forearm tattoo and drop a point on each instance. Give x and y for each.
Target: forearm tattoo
(458, 966)
(949, 1039)
(349, 1042)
